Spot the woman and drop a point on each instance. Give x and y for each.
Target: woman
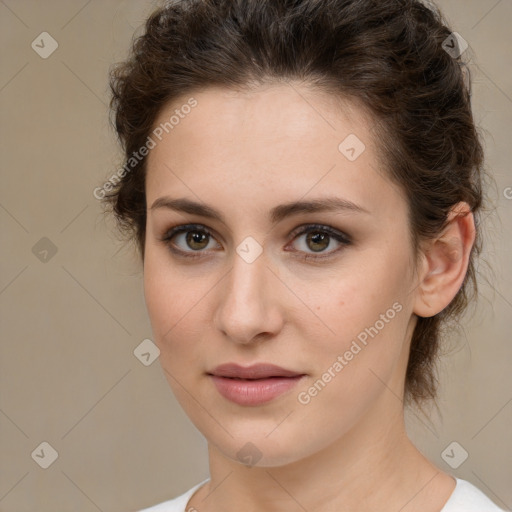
(303, 179)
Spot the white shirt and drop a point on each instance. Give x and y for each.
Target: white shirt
(464, 498)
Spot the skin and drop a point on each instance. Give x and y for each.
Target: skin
(244, 153)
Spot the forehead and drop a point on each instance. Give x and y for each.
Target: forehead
(274, 140)
(275, 112)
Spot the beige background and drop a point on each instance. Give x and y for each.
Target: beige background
(68, 375)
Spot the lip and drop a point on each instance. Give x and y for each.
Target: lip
(253, 385)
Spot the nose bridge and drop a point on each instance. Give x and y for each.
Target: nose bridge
(249, 273)
(247, 284)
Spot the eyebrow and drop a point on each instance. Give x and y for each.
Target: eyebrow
(276, 214)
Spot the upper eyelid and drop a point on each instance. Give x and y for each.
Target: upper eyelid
(320, 227)
(297, 230)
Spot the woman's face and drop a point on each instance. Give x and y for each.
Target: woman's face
(334, 306)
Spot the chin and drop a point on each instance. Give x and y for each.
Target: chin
(261, 450)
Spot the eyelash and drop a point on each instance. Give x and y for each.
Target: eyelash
(342, 238)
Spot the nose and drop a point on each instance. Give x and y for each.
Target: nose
(249, 307)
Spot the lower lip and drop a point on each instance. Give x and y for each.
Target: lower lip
(254, 392)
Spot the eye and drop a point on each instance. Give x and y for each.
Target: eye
(190, 240)
(191, 236)
(318, 238)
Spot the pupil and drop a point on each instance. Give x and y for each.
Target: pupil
(318, 238)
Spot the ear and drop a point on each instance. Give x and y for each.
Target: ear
(445, 262)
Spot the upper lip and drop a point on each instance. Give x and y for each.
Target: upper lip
(255, 371)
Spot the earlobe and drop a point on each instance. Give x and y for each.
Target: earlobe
(445, 262)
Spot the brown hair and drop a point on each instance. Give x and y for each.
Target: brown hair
(388, 54)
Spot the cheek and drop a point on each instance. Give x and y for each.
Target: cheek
(160, 304)
(366, 312)
(356, 303)
(174, 308)
(175, 305)
(166, 297)
(352, 368)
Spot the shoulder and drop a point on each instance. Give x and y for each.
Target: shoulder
(468, 498)
(177, 504)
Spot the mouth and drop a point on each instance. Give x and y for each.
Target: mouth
(254, 372)
(254, 385)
